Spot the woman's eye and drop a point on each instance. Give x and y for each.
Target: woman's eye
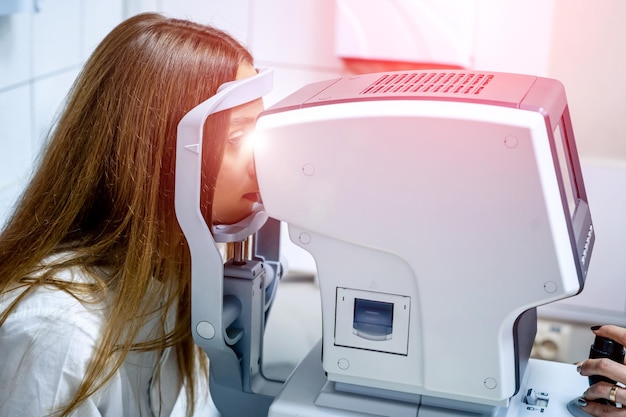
(236, 138)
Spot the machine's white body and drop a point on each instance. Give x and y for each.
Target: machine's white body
(444, 206)
(441, 209)
(548, 388)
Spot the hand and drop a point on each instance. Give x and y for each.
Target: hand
(597, 394)
(597, 409)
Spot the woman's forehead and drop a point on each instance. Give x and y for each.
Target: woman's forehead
(245, 70)
(247, 113)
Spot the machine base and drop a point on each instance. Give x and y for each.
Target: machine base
(307, 393)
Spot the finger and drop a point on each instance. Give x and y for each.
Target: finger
(603, 410)
(603, 366)
(616, 333)
(606, 391)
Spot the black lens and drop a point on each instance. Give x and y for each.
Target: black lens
(605, 348)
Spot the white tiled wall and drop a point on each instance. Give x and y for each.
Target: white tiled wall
(57, 37)
(15, 102)
(15, 41)
(41, 54)
(15, 157)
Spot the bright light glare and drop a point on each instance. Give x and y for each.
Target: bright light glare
(257, 140)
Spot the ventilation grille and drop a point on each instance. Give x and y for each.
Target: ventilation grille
(433, 82)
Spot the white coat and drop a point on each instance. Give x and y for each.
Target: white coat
(45, 346)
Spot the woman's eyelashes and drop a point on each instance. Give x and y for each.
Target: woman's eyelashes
(236, 138)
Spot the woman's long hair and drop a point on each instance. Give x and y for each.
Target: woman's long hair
(104, 189)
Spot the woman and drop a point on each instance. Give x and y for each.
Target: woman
(94, 269)
(593, 400)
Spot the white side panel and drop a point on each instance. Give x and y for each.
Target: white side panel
(440, 201)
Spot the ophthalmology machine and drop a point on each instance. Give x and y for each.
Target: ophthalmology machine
(441, 209)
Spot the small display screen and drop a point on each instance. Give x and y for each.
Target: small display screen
(565, 166)
(373, 317)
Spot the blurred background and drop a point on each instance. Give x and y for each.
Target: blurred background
(43, 44)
